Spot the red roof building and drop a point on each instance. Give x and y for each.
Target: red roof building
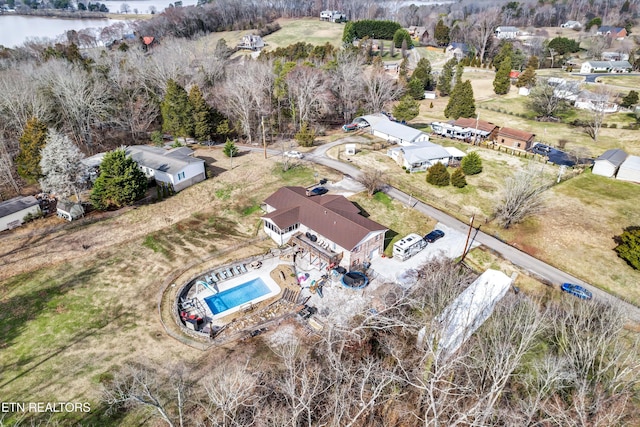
(514, 138)
(327, 228)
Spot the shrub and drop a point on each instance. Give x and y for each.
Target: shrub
(458, 179)
(438, 175)
(629, 246)
(471, 164)
(614, 125)
(305, 136)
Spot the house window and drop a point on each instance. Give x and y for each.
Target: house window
(181, 175)
(518, 145)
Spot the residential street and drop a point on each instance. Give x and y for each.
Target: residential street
(533, 265)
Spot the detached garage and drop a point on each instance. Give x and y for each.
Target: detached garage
(13, 211)
(609, 162)
(630, 169)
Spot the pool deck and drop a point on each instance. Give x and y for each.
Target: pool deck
(263, 273)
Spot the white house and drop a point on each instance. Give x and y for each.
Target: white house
(605, 67)
(13, 211)
(176, 167)
(332, 16)
(457, 50)
(615, 56)
(419, 158)
(398, 133)
(251, 42)
(609, 162)
(328, 228)
(630, 169)
(586, 100)
(506, 32)
(574, 25)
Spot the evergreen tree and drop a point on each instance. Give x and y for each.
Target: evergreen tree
(423, 72)
(438, 175)
(471, 164)
(459, 71)
(502, 83)
(527, 78)
(458, 179)
(461, 103)
(202, 115)
(444, 82)
(120, 183)
(230, 149)
(400, 35)
(63, 172)
(415, 88)
(305, 136)
(506, 50)
(407, 109)
(441, 33)
(177, 116)
(629, 246)
(32, 141)
(630, 99)
(533, 62)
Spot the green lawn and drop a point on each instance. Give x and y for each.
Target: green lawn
(308, 30)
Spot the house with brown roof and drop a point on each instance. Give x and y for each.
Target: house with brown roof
(515, 138)
(327, 229)
(483, 129)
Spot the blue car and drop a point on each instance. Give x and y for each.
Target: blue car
(318, 191)
(576, 290)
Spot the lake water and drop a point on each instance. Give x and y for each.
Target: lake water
(16, 29)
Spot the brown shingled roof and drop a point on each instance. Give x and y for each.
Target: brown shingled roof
(332, 216)
(515, 134)
(483, 125)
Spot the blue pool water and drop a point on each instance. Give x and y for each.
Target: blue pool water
(237, 295)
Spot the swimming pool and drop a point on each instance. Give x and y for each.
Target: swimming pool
(237, 296)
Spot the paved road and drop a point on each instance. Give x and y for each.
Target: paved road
(534, 266)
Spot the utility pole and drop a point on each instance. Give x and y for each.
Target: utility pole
(464, 252)
(264, 139)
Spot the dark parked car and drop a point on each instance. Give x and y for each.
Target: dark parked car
(576, 290)
(317, 191)
(434, 235)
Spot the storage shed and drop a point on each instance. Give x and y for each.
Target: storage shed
(630, 169)
(609, 162)
(69, 210)
(13, 211)
(398, 133)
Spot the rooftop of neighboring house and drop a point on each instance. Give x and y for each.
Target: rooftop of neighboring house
(16, 204)
(516, 134)
(332, 216)
(614, 156)
(482, 125)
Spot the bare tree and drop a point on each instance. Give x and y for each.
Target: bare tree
(164, 395)
(597, 46)
(230, 389)
(485, 24)
(308, 94)
(373, 180)
(7, 169)
(347, 83)
(545, 99)
(600, 105)
(380, 89)
(83, 102)
(22, 97)
(522, 197)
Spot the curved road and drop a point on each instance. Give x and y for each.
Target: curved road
(536, 267)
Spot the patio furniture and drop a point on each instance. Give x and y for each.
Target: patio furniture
(223, 274)
(230, 272)
(243, 268)
(237, 268)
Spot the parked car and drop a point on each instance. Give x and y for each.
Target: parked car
(350, 127)
(576, 290)
(434, 235)
(294, 154)
(318, 191)
(541, 149)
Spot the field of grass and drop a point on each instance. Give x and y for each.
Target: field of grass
(69, 322)
(631, 82)
(309, 30)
